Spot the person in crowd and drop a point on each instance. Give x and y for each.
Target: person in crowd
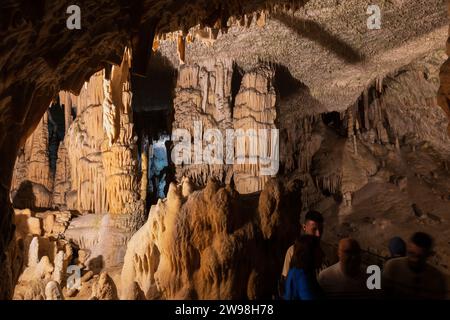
(313, 225)
(345, 279)
(397, 247)
(301, 282)
(412, 277)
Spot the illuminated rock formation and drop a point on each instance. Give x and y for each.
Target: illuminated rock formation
(62, 184)
(208, 244)
(254, 117)
(103, 158)
(356, 128)
(202, 101)
(104, 288)
(83, 143)
(33, 183)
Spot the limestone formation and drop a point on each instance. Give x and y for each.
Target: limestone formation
(59, 271)
(202, 101)
(33, 253)
(53, 291)
(62, 184)
(32, 184)
(254, 113)
(359, 135)
(214, 236)
(83, 143)
(104, 288)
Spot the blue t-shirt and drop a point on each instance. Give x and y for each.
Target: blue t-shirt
(301, 285)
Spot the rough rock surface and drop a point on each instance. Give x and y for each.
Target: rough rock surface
(32, 184)
(209, 244)
(203, 101)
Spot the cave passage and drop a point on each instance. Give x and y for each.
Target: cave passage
(312, 148)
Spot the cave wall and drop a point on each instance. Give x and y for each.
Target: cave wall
(32, 184)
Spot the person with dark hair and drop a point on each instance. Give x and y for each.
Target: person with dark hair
(301, 282)
(313, 226)
(397, 247)
(411, 277)
(345, 279)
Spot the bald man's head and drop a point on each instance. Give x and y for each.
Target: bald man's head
(349, 253)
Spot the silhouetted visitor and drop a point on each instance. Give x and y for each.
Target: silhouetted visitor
(411, 277)
(301, 282)
(397, 247)
(313, 226)
(345, 279)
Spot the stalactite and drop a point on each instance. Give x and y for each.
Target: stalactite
(144, 168)
(120, 159)
(32, 184)
(83, 144)
(203, 95)
(66, 99)
(181, 48)
(62, 182)
(254, 110)
(110, 113)
(366, 109)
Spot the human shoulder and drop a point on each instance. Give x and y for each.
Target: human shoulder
(291, 249)
(394, 264)
(330, 272)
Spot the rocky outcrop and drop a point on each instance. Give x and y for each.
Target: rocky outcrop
(32, 184)
(203, 101)
(209, 244)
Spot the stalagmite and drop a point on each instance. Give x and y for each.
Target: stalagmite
(104, 288)
(33, 252)
(53, 291)
(103, 156)
(109, 113)
(59, 271)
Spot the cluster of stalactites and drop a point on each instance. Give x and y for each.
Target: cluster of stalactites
(367, 118)
(208, 34)
(101, 145)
